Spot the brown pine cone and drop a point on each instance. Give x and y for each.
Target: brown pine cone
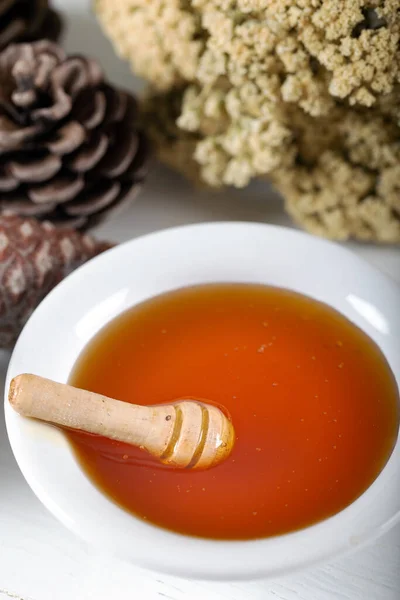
(34, 257)
(70, 150)
(27, 20)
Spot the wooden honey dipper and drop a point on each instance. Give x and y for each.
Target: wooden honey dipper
(185, 434)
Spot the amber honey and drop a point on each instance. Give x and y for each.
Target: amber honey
(313, 401)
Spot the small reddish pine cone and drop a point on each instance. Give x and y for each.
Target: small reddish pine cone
(34, 257)
(71, 151)
(27, 20)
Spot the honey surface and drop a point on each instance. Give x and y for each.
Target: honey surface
(312, 399)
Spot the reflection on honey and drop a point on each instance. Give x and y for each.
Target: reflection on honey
(312, 399)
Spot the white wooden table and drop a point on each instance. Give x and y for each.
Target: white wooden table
(39, 559)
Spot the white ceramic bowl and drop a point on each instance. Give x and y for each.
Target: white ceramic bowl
(97, 292)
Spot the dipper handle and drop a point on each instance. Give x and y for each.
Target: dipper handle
(187, 433)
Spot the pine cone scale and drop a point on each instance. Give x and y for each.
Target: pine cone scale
(37, 16)
(12, 137)
(90, 109)
(89, 155)
(5, 5)
(63, 188)
(51, 27)
(26, 20)
(8, 183)
(140, 164)
(127, 195)
(12, 31)
(34, 257)
(18, 205)
(120, 155)
(35, 171)
(76, 74)
(117, 105)
(94, 201)
(58, 111)
(15, 281)
(69, 141)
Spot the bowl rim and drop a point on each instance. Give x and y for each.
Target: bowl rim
(325, 530)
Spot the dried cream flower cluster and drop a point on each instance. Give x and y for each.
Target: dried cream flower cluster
(304, 92)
